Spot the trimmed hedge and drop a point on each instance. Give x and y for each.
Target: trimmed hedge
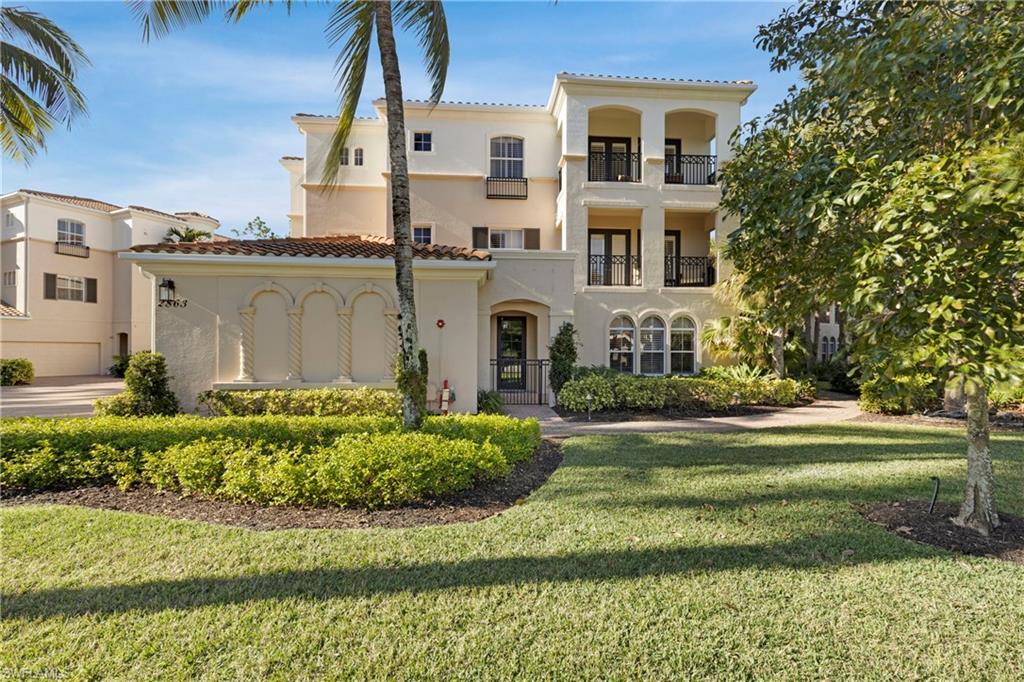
(899, 395)
(717, 392)
(319, 402)
(372, 470)
(147, 391)
(16, 371)
(292, 459)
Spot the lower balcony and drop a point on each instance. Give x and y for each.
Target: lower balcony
(689, 271)
(71, 249)
(614, 271)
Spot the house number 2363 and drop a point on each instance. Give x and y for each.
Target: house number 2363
(173, 303)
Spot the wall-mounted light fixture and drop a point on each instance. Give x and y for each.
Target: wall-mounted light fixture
(166, 289)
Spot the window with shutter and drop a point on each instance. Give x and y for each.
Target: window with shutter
(90, 289)
(479, 237)
(49, 285)
(531, 238)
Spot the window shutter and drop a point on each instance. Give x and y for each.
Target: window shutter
(531, 238)
(90, 289)
(479, 237)
(49, 285)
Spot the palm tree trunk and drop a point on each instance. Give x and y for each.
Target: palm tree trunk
(410, 380)
(779, 352)
(978, 510)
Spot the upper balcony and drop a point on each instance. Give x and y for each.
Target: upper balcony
(68, 248)
(613, 138)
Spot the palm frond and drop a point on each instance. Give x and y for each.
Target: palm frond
(352, 22)
(36, 30)
(23, 122)
(160, 17)
(426, 19)
(50, 86)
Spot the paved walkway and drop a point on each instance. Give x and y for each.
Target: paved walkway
(57, 396)
(830, 408)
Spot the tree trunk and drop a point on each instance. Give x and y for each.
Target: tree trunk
(978, 510)
(412, 384)
(779, 352)
(812, 340)
(841, 326)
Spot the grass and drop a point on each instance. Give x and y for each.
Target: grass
(728, 556)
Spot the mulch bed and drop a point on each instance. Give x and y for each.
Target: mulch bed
(910, 519)
(479, 503)
(1009, 420)
(662, 415)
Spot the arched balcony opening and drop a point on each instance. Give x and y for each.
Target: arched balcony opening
(690, 148)
(614, 145)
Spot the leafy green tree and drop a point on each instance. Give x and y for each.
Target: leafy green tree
(186, 234)
(352, 25)
(891, 181)
(39, 63)
(256, 228)
(563, 354)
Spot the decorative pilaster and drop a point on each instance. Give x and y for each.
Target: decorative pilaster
(246, 355)
(391, 339)
(295, 344)
(345, 344)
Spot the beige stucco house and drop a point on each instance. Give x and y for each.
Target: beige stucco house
(600, 208)
(68, 304)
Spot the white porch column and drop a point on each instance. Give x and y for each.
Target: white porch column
(391, 338)
(345, 344)
(295, 344)
(652, 243)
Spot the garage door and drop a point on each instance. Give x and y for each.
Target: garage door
(56, 359)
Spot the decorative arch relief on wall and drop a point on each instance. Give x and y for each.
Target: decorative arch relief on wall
(295, 311)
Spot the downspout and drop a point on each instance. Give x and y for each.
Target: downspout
(25, 275)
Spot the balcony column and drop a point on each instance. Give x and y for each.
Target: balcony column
(652, 133)
(652, 252)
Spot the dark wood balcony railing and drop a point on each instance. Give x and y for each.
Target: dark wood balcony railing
(614, 167)
(69, 249)
(690, 169)
(689, 271)
(622, 271)
(506, 188)
(520, 381)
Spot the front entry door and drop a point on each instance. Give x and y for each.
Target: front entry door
(511, 353)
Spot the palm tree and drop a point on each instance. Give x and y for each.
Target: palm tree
(186, 234)
(352, 25)
(37, 87)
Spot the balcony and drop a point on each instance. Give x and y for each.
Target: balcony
(689, 271)
(612, 271)
(70, 249)
(690, 169)
(506, 188)
(614, 167)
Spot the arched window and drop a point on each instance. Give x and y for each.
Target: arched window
(824, 349)
(652, 346)
(621, 336)
(831, 347)
(358, 156)
(344, 156)
(683, 346)
(506, 157)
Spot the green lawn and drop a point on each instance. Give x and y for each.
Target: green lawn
(643, 557)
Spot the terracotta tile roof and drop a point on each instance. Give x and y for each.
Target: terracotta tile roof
(84, 202)
(106, 206)
(7, 310)
(345, 246)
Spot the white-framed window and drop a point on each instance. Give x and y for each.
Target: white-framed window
(621, 344)
(70, 288)
(652, 346)
(344, 156)
(506, 157)
(10, 221)
(423, 141)
(10, 278)
(357, 156)
(70, 231)
(422, 234)
(505, 239)
(683, 346)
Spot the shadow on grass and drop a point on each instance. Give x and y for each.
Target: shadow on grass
(332, 583)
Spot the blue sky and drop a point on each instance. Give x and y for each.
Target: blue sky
(198, 119)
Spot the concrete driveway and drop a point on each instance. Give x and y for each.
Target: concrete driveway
(57, 396)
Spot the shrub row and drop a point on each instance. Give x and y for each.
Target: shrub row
(305, 460)
(629, 392)
(320, 402)
(16, 371)
(900, 394)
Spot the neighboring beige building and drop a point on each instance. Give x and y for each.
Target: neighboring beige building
(600, 208)
(68, 304)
